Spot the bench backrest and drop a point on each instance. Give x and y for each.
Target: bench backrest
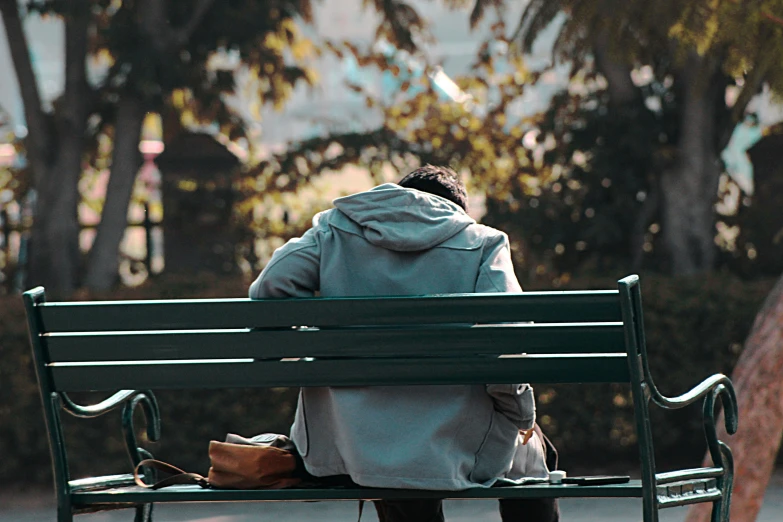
(533, 337)
(553, 337)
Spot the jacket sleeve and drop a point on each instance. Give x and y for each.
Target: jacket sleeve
(496, 273)
(515, 401)
(293, 271)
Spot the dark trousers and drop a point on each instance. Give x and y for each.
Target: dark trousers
(431, 510)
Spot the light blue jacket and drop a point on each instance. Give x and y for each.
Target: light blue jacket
(397, 241)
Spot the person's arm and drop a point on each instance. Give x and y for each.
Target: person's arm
(293, 270)
(515, 401)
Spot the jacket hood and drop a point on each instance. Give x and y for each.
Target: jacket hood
(402, 219)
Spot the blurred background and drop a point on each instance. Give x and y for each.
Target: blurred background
(165, 148)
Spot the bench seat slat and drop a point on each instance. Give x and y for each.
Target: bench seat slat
(383, 342)
(135, 494)
(72, 377)
(543, 307)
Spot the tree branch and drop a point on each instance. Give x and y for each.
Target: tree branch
(154, 22)
(621, 89)
(77, 91)
(753, 82)
(38, 138)
(183, 34)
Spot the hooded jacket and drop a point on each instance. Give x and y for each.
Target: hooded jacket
(399, 241)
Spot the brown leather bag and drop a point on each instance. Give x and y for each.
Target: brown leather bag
(267, 461)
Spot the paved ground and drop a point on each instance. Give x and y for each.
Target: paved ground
(39, 508)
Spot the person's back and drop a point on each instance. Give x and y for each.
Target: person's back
(406, 240)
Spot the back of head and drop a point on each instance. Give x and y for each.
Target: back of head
(441, 181)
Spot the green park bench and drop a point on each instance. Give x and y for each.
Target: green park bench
(536, 337)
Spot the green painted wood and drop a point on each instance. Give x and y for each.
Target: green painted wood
(543, 307)
(339, 372)
(375, 342)
(196, 494)
(50, 400)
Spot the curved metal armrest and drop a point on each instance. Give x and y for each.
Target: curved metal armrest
(129, 400)
(716, 385)
(711, 388)
(149, 405)
(96, 410)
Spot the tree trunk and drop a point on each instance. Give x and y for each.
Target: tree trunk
(57, 145)
(54, 244)
(102, 268)
(622, 91)
(758, 379)
(690, 188)
(626, 105)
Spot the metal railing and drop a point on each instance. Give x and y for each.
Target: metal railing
(14, 259)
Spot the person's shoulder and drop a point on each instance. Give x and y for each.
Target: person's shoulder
(474, 237)
(322, 220)
(327, 220)
(487, 233)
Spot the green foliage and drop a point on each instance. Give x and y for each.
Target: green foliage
(181, 75)
(744, 36)
(597, 188)
(695, 327)
(693, 51)
(479, 133)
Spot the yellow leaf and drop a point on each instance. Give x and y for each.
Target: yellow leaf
(187, 118)
(312, 76)
(302, 48)
(273, 42)
(178, 98)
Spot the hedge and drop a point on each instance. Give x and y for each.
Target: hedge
(695, 327)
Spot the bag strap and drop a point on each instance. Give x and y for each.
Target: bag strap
(178, 476)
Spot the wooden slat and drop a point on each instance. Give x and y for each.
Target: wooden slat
(545, 307)
(196, 494)
(363, 342)
(339, 372)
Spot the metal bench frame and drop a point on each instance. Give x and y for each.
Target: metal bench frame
(89, 346)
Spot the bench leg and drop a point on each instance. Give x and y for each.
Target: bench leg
(64, 513)
(143, 513)
(721, 508)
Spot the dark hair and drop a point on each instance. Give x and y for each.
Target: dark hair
(441, 181)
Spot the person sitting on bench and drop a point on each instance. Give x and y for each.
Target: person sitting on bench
(411, 238)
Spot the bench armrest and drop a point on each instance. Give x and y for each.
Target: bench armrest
(710, 389)
(96, 410)
(697, 392)
(129, 400)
